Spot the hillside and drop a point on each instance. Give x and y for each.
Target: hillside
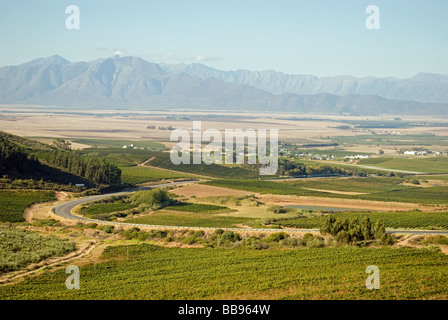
(24, 159)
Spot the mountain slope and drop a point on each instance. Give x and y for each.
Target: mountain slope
(423, 87)
(130, 82)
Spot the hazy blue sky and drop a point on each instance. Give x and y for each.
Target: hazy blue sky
(320, 37)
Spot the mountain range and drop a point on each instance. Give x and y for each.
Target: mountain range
(131, 82)
(424, 87)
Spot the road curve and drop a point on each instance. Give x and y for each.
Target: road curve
(64, 210)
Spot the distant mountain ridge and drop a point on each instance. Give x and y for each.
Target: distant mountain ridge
(424, 87)
(131, 82)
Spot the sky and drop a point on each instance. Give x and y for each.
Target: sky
(319, 37)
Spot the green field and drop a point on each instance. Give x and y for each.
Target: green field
(19, 248)
(105, 208)
(212, 170)
(363, 185)
(429, 165)
(121, 157)
(151, 272)
(394, 220)
(191, 219)
(13, 203)
(198, 207)
(141, 174)
(390, 190)
(128, 159)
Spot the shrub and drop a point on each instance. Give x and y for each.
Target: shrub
(293, 242)
(316, 242)
(276, 209)
(307, 237)
(437, 239)
(153, 197)
(157, 234)
(277, 237)
(108, 229)
(189, 240)
(198, 234)
(229, 235)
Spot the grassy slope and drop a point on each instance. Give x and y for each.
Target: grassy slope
(396, 220)
(149, 272)
(13, 203)
(136, 175)
(429, 165)
(190, 219)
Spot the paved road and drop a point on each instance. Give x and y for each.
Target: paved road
(64, 210)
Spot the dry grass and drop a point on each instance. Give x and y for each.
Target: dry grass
(49, 124)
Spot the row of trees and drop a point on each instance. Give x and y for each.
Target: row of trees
(92, 168)
(290, 168)
(352, 231)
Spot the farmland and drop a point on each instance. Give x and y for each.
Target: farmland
(393, 220)
(381, 190)
(141, 174)
(197, 207)
(13, 203)
(152, 272)
(185, 263)
(191, 219)
(19, 248)
(128, 161)
(115, 143)
(393, 139)
(430, 165)
(212, 170)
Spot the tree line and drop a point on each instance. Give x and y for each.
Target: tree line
(290, 168)
(354, 231)
(92, 168)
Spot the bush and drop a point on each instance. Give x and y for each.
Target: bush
(189, 240)
(354, 231)
(307, 237)
(437, 239)
(312, 241)
(153, 197)
(230, 236)
(198, 234)
(276, 209)
(316, 242)
(293, 242)
(157, 234)
(277, 237)
(255, 243)
(108, 229)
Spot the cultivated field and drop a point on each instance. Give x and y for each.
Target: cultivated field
(177, 259)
